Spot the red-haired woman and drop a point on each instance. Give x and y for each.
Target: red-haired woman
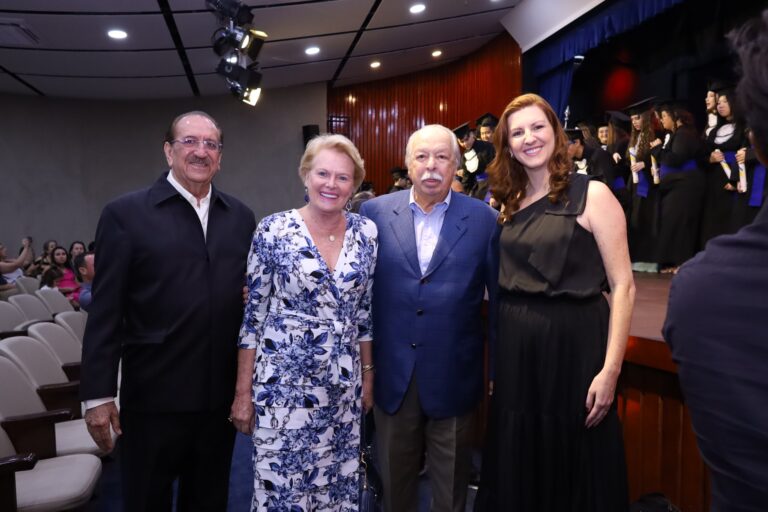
(554, 440)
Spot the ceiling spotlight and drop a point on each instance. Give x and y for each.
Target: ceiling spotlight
(375, 64)
(312, 50)
(117, 34)
(417, 8)
(437, 53)
(231, 9)
(247, 40)
(244, 82)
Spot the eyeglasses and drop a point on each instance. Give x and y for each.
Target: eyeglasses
(193, 143)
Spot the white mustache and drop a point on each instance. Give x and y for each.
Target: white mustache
(431, 176)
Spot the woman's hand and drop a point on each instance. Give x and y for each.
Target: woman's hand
(741, 156)
(367, 391)
(729, 187)
(655, 142)
(637, 166)
(600, 397)
(241, 414)
(616, 158)
(716, 157)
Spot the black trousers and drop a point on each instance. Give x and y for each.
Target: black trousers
(158, 448)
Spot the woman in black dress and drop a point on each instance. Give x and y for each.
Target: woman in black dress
(554, 440)
(722, 169)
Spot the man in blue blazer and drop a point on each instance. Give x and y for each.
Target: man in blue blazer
(438, 253)
(167, 299)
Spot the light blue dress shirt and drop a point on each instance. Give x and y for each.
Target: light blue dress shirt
(427, 227)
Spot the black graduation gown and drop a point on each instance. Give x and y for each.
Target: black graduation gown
(681, 194)
(746, 206)
(476, 183)
(717, 214)
(644, 215)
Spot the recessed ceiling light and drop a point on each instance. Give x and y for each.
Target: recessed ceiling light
(375, 64)
(417, 8)
(312, 50)
(117, 34)
(437, 53)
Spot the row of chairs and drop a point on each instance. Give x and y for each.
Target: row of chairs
(48, 461)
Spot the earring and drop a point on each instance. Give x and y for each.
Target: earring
(306, 195)
(348, 206)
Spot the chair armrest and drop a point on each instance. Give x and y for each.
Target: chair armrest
(62, 396)
(8, 468)
(18, 462)
(35, 432)
(9, 334)
(72, 371)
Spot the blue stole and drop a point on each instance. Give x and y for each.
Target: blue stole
(758, 183)
(665, 170)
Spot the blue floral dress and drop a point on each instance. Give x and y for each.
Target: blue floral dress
(304, 322)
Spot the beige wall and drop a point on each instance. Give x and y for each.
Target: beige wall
(61, 160)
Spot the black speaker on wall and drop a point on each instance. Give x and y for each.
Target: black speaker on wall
(309, 131)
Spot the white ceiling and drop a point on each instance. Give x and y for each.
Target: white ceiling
(75, 58)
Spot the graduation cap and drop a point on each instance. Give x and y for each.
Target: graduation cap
(617, 119)
(723, 88)
(641, 106)
(575, 134)
(398, 173)
(718, 85)
(487, 119)
(461, 131)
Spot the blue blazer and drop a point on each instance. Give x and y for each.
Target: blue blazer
(428, 327)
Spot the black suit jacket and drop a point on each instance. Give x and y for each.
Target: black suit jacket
(167, 300)
(717, 328)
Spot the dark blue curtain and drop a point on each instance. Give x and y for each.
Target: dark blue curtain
(553, 59)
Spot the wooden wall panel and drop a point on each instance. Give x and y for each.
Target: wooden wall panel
(380, 115)
(660, 445)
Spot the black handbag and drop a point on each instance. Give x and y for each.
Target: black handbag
(370, 481)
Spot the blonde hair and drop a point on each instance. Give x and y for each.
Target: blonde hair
(335, 142)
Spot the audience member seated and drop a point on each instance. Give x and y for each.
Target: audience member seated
(67, 283)
(84, 264)
(9, 269)
(41, 264)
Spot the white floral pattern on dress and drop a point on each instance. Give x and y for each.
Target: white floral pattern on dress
(304, 322)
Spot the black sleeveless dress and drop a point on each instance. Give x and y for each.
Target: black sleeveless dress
(552, 338)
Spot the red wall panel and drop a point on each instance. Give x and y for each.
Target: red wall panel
(382, 114)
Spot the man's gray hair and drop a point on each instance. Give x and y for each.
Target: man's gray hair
(438, 128)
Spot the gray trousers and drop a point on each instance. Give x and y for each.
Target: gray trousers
(401, 439)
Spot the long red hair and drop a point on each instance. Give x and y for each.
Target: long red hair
(507, 177)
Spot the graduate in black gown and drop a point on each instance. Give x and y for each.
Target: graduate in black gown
(643, 218)
(475, 157)
(554, 439)
(681, 188)
(721, 168)
(617, 143)
(750, 197)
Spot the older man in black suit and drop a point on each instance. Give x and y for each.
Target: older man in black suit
(167, 299)
(717, 323)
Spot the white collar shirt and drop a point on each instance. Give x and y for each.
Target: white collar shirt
(201, 207)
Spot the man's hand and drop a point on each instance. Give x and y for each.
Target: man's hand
(99, 419)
